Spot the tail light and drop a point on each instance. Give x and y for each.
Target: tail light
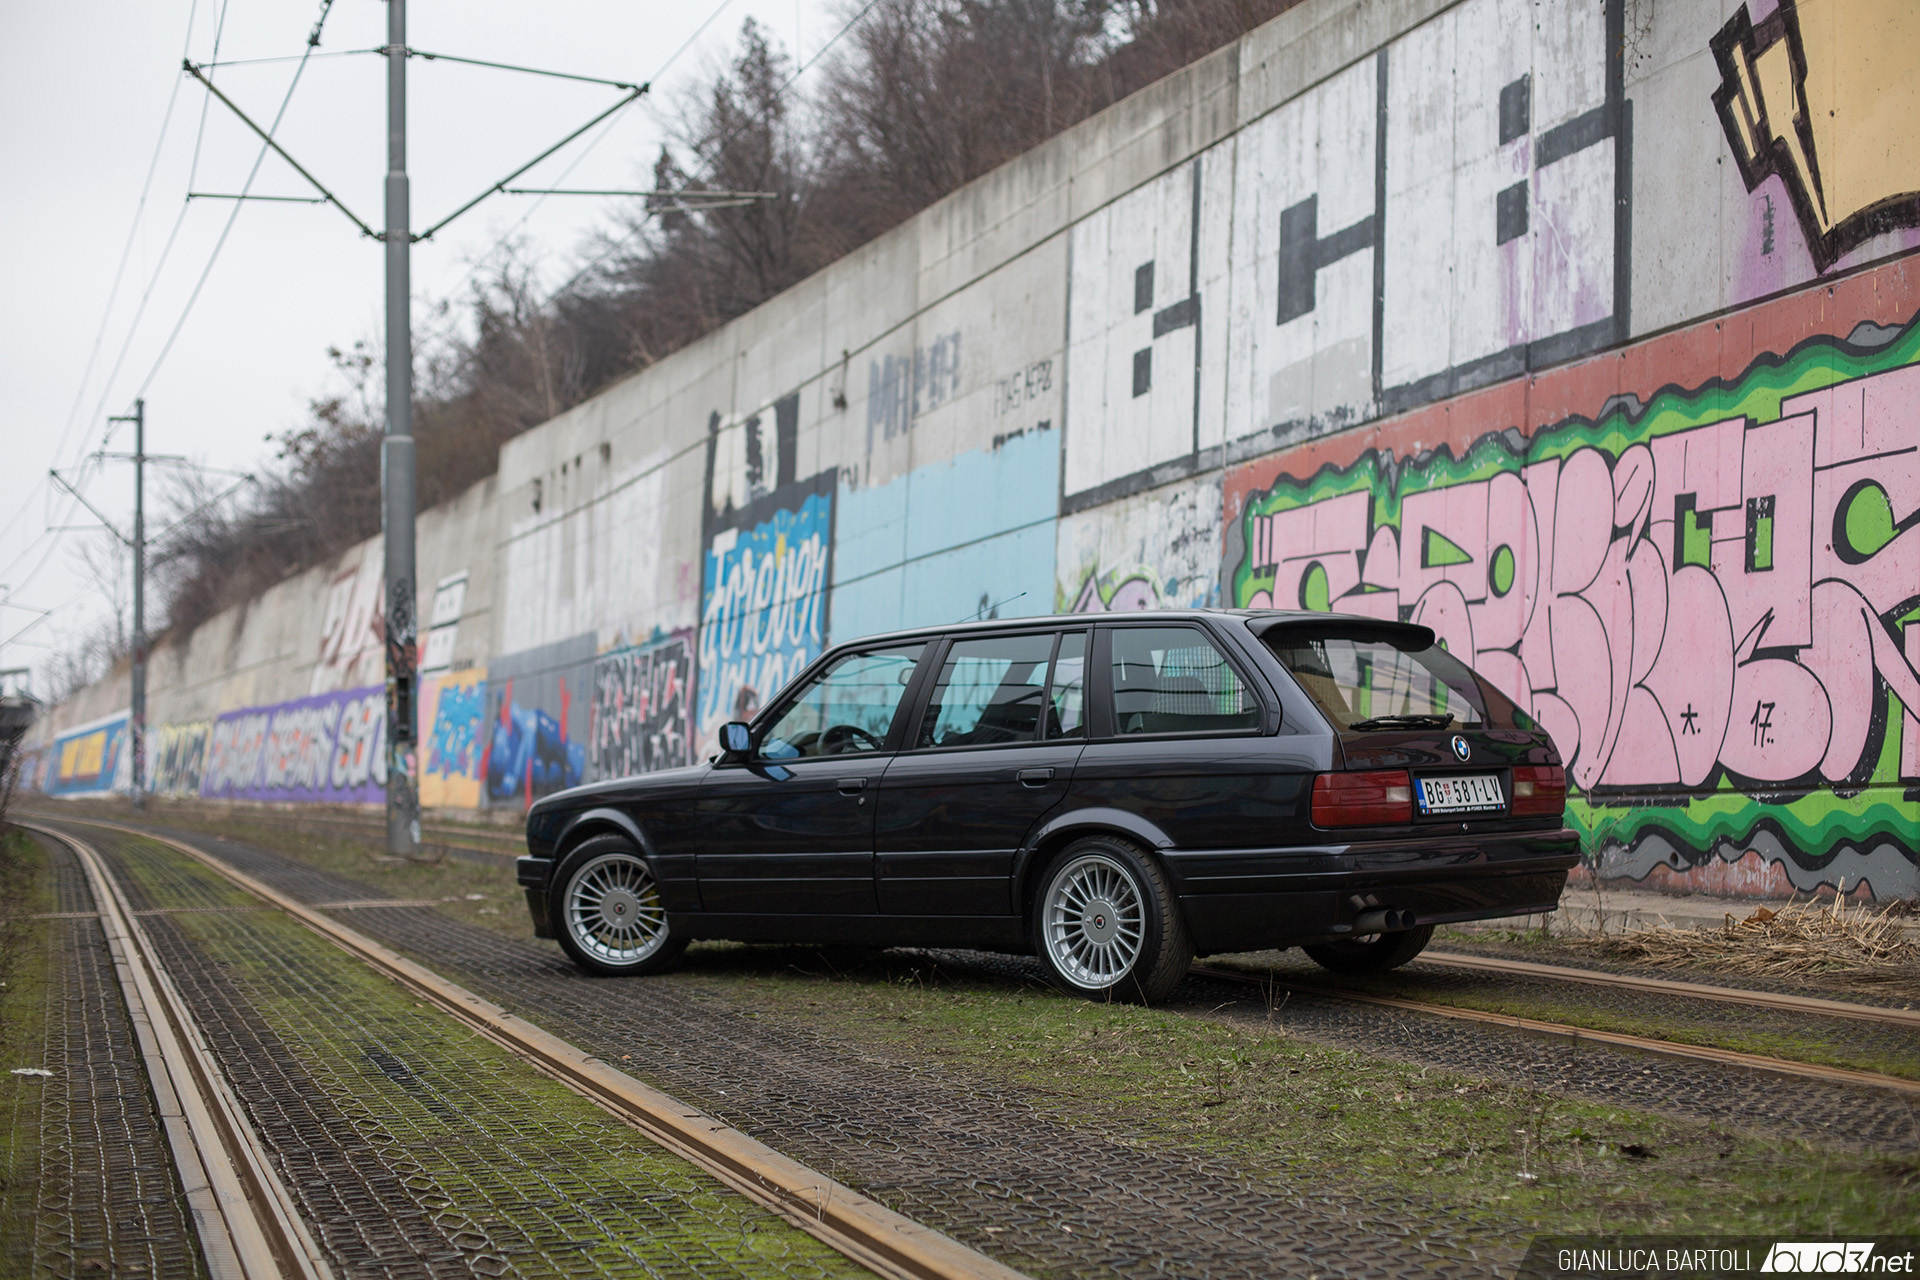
(1539, 790)
(1362, 799)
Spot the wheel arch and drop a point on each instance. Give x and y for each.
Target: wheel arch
(589, 823)
(1046, 843)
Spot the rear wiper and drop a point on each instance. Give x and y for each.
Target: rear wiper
(1402, 722)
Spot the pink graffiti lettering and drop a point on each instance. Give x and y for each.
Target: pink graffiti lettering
(1720, 597)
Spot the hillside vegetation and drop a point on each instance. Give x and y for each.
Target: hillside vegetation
(921, 97)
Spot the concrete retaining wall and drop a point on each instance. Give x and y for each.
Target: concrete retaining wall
(1539, 321)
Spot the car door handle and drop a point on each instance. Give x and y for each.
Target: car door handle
(1035, 777)
(852, 786)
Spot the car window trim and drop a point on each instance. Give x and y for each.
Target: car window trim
(1109, 729)
(1046, 690)
(947, 644)
(771, 713)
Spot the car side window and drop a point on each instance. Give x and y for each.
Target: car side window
(847, 708)
(990, 691)
(1174, 680)
(1067, 697)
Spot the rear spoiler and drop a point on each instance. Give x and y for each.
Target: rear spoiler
(1408, 637)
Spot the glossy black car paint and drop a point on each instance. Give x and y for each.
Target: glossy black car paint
(943, 846)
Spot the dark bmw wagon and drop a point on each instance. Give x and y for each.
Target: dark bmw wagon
(1114, 796)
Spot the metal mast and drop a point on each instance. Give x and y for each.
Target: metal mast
(137, 713)
(396, 460)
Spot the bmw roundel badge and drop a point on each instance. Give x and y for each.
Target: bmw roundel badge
(1461, 749)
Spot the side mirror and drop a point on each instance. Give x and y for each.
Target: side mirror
(734, 738)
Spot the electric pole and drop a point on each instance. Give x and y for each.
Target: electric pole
(396, 460)
(396, 449)
(137, 713)
(137, 676)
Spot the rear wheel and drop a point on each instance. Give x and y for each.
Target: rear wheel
(607, 910)
(1106, 925)
(1377, 954)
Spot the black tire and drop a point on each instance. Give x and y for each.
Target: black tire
(1377, 954)
(1105, 924)
(605, 906)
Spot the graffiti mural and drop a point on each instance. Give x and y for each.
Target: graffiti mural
(533, 741)
(90, 759)
(325, 749)
(1822, 95)
(1156, 550)
(642, 714)
(452, 707)
(176, 756)
(763, 601)
(1713, 596)
(353, 635)
(900, 389)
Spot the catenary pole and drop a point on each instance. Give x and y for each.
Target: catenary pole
(137, 711)
(396, 461)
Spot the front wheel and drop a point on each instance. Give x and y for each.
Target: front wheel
(1106, 925)
(1377, 954)
(607, 910)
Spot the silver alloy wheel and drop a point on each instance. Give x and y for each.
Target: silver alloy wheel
(613, 911)
(1093, 922)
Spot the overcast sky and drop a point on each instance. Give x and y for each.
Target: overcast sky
(84, 90)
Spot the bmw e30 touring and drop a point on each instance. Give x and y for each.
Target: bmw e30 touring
(1114, 796)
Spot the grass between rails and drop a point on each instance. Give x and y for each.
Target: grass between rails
(480, 894)
(26, 890)
(496, 1151)
(1330, 1120)
(1792, 1036)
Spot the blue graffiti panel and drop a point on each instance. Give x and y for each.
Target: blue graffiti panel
(762, 609)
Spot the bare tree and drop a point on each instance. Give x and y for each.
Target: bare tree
(925, 96)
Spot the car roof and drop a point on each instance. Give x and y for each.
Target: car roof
(1270, 617)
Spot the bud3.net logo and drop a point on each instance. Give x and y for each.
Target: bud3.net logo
(1835, 1258)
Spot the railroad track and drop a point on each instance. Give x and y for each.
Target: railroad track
(1782, 1001)
(246, 1217)
(1274, 981)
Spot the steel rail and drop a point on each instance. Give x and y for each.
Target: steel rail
(242, 1213)
(885, 1242)
(1620, 1039)
(1670, 986)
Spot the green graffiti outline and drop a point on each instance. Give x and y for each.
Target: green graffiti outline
(1819, 822)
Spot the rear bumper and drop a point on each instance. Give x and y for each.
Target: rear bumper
(1246, 900)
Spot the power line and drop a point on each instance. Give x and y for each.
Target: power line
(206, 271)
(621, 241)
(119, 274)
(587, 150)
(219, 28)
(313, 40)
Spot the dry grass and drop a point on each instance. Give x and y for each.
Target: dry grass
(1863, 944)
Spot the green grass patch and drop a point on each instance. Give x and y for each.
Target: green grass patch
(26, 890)
(1314, 1116)
(489, 1144)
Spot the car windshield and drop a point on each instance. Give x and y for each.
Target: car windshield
(1367, 682)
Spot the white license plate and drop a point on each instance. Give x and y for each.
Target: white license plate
(1471, 793)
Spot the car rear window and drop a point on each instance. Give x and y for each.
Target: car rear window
(1173, 680)
(1365, 682)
